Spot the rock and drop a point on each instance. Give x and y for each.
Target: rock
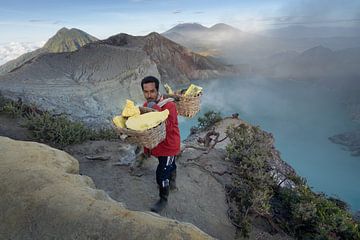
(176, 64)
(351, 140)
(200, 198)
(92, 83)
(43, 197)
(356, 216)
(279, 168)
(89, 85)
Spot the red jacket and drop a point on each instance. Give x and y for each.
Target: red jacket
(171, 145)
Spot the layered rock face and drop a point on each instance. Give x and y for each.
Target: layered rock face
(89, 85)
(176, 64)
(92, 83)
(43, 197)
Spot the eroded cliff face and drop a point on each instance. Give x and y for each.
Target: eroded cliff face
(89, 85)
(44, 197)
(92, 83)
(176, 64)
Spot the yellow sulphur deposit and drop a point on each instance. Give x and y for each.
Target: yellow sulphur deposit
(119, 121)
(130, 109)
(193, 90)
(147, 120)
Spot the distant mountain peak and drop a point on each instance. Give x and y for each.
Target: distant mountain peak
(122, 39)
(223, 26)
(154, 34)
(175, 62)
(318, 53)
(68, 40)
(62, 30)
(186, 27)
(319, 50)
(65, 40)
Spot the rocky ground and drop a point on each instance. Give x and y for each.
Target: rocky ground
(200, 198)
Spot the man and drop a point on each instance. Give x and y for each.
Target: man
(167, 150)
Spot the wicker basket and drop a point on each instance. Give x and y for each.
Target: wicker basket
(149, 138)
(188, 106)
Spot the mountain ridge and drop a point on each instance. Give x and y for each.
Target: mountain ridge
(176, 64)
(65, 40)
(92, 83)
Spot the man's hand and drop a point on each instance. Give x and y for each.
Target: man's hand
(151, 104)
(147, 155)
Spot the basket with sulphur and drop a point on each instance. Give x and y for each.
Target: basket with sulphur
(143, 126)
(187, 100)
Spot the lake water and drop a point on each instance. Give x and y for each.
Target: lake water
(301, 116)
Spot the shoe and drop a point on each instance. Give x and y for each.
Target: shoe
(172, 181)
(162, 202)
(159, 205)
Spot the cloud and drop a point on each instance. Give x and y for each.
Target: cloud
(55, 22)
(12, 50)
(319, 12)
(176, 12)
(285, 20)
(37, 20)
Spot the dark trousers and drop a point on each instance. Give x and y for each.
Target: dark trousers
(164, 170)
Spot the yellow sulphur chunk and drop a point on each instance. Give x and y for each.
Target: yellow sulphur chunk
(130, 109)
(147, 120)
(168, 89)
(119, 121)
(193, 90)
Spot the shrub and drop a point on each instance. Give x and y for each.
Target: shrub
(252, 184)
(12, 109)
(3, 101)
(314, 216)
(103, 134)
(55, 130)
(208, 120)
(59, 130)
(299, 212)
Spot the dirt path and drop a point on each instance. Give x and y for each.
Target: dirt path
(200, 198)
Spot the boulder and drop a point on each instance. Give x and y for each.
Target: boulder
(44, 197)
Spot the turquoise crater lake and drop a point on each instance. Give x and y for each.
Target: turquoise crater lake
(301, 115)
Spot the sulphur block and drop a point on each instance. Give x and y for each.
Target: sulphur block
(119, 121)
(147, 120)
(193, 90)
(130, 109)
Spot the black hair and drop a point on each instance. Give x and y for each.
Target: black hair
(150, 79)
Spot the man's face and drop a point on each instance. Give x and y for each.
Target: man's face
(150, 92)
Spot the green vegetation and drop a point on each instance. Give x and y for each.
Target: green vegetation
(57, 131)
(14, 109)
(68, 40)
(298, 211)
(209, 120)
(307, 215)
(252, 184)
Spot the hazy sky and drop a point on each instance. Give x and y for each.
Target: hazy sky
(35, 21)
